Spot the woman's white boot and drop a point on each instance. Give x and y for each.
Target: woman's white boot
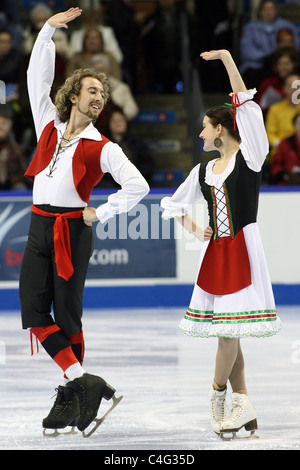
(217, 407)
(242, 415)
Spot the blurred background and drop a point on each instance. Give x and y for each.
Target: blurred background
(160, 91)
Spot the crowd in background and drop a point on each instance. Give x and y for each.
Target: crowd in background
(140, 51)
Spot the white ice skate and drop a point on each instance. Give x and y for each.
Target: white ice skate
(217, 407)
(242, 415)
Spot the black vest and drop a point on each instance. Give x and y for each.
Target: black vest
(241, 190)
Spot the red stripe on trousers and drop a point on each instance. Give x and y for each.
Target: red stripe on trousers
(65, 358)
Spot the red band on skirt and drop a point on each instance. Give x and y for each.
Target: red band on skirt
(225, 268)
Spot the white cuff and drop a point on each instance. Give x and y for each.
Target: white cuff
(104, 212)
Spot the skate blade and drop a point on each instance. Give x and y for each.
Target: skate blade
(99, 421)
(233, 435)
(56, 432)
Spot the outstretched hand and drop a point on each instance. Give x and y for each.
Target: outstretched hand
(60, 20)
(213, 55)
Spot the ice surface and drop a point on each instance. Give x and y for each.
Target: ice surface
(165, 378)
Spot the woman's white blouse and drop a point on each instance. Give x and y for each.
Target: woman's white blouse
(254, 147)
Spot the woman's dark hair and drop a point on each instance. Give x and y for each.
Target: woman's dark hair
(224, 115)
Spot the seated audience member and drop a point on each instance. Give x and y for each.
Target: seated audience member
(11, 65)
(285, 164)
(92, 44)
(259, 41)
(136, 149)
(285, 38)
(92, 19)
(120, 92)
(126, 21)
(12, 161)
(286, 61)
(279, 118)
(38, 17)
(10, 19)
(162, 46)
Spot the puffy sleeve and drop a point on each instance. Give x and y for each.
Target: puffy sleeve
(184, 197)
(40, 75)
(134, 187)
(254, 141)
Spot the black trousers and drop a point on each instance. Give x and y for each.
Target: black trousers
(41, 290)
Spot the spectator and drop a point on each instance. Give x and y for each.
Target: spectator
(92, 44)
(126, 23)
(11, 65)
(162, 46)
(259, 41)
(285, 38)
(92, 19)
(120, 92)
(211, 28)
(136, 150)
(271, 90)
(279, 119)
(12, 161)
(285, 164)
(38, 16)
(10, 19)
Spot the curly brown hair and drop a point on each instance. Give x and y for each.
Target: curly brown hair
(72, 86)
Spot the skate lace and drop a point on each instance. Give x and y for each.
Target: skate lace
(218, 409)
(236, 413)
(60, 403)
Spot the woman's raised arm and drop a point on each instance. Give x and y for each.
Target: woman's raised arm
(236, 81)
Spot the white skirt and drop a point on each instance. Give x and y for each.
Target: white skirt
(248, 312)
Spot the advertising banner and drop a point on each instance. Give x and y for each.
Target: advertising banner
(134, 245)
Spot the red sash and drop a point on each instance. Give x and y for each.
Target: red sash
(62, 244)
(225, 268)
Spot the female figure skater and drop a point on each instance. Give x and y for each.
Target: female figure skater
(232, 296)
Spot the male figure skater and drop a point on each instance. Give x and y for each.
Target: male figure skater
(70, 159)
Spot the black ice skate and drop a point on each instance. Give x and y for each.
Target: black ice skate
(65, 412)
(90, 390)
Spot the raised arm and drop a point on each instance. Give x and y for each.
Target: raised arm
(254, 142)
(236, 81)
(40, 73)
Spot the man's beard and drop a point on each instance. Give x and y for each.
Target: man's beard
(89, 114)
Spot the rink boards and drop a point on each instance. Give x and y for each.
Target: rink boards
(141, 260)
